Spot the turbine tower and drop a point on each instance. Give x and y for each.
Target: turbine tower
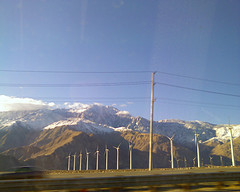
(106, 151)
(130, 155)
(211, 161)
(178, 162)
(171, 143)
(69, 159)
(231, 141)
(117, 148)
(87, 162)
(197, 145)
(194, 161)
(97, 160)
(74, 162)
(185, 161)
(80, 161)
(221, 160)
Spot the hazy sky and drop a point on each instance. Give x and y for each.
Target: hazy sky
(197, 39)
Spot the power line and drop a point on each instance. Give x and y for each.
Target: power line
(70, 72)
(117, 72)
(93, 98)
(200, 90)
(199, 103)
(200, 79)
(66, 99)
(75, 85)
(133, 99)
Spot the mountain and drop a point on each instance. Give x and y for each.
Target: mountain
(46, 137)
(98, 119)
(16, 135)
(7, 162)
(52, 146)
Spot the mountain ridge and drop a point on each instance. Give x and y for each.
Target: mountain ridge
(42, 137)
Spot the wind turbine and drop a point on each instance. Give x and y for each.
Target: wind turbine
(130, 155)
(87, 162)
(185, 161)
(69, 159)
(178, 162)
(231, 141)
(117, 148)
(106, 151)
(171, 143)
(74, 162)
(194, 161)
(197, 145)
(97, 160)
(80, 161)
(211, 162)
(221, 159)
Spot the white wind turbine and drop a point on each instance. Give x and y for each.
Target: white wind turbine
(130, 155)
(74, 162)
(106, 151)
(221, 160)
(197, 145)
(171, 143)
(231, 142)
(117, 148)
(87, 162)
(194, 161)
(80, 161)
(185, 161)
(97, 160)
(211, 161)
(69, 159)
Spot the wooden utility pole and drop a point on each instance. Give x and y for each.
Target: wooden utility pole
(151, 125)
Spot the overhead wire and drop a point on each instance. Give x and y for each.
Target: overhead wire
(197, 102)
(74, 85)
(70, 72)
(198, 78)
(118, 72)
(133, 99)
(199, 90)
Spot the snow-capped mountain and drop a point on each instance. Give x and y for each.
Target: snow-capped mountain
(98, 119)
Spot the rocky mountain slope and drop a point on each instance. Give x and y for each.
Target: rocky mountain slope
(46, 137)
(52, 146)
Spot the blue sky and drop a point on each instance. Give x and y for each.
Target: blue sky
(197, 38)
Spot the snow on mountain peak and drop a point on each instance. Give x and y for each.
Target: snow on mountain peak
(123, 113)
(76, 107)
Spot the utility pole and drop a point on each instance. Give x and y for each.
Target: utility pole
(106, 151)
(231, 141)
(69, 159)
(171, 143)
(198, 153)
(80, 161)
(151, 125)
(130, 155)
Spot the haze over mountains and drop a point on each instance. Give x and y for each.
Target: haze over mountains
(45, 137)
